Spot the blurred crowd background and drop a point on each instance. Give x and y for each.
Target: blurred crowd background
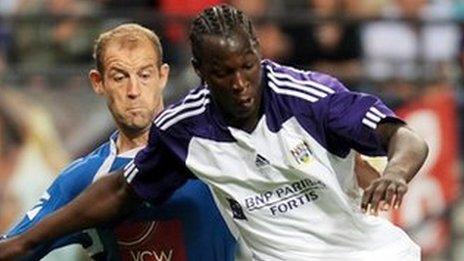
(408, 52)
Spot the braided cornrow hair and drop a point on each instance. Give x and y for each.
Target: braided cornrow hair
(222, 20)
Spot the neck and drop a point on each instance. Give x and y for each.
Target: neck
(128, 140)
(247, 125)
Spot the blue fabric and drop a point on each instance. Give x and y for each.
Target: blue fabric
(205, 234)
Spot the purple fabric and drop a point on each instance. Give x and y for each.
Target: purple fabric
(335, 120)
(160, 170)
(161, 164)
(325, 108)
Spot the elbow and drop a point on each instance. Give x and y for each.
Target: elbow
(423, 149)
(415, 147)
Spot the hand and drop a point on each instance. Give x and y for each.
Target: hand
(383, 193)
(11, 249)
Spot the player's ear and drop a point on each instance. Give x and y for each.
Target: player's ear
(96, 79)
(257, 46)
(164, 74)
(196, 66)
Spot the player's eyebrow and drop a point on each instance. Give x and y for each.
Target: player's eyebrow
(148, 66)
(248, 51)
(217, 65)
(116, 68)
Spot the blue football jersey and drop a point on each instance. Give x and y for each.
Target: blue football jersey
(188, 226)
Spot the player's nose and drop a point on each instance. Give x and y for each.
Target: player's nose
(238, 82)
(133, 88)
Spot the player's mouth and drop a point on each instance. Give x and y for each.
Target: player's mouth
(245, 103)
(135, 109)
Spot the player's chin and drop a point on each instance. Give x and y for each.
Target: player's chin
(243, 112)
(139, 122)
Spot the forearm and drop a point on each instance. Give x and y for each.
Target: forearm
(365, 173)
(105, 200)
(406, 154)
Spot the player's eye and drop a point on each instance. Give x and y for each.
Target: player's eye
(220, 74)
(145, 75)
(248, 66)
(118, 77)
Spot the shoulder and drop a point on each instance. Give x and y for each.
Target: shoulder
(193, 105)
(89, 162)
(299, 91)
(305, 84)
(80, 172)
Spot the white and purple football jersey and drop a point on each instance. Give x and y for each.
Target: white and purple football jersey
(289, 185)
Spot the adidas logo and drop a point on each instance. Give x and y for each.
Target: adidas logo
(261, 161)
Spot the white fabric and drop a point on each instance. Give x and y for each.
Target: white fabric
(302, 205)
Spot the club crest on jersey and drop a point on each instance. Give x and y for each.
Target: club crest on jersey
(302, 153)
(237, 210)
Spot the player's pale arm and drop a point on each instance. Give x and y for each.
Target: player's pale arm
(365, 173)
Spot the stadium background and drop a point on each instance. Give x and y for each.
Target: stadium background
(409, 52)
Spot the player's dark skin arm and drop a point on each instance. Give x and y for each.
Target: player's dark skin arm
(107, 199)
(406, 153)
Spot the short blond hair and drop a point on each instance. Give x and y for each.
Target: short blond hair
(128, 33)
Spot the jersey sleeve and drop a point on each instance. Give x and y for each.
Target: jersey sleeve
(352, 119)
(44, 249)
(67, 185)
(336, 117)
(159, 169)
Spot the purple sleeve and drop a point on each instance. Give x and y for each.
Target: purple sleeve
(159, 169)
(352, 119)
